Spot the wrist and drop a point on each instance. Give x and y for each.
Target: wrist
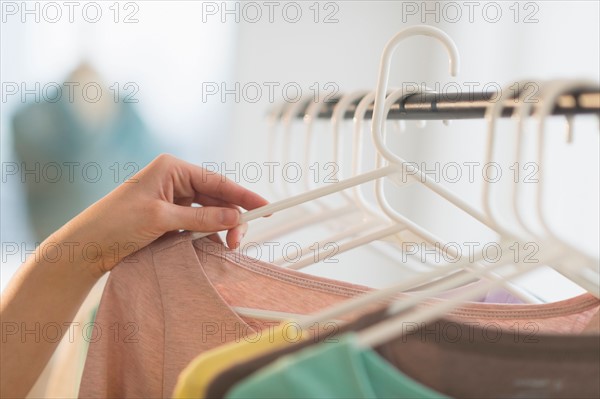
(74, 252)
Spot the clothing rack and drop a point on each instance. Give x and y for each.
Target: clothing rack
(460, 105)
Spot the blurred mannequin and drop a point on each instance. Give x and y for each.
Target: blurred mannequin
(93, 141)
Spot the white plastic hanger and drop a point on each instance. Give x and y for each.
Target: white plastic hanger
(310, 116)
(389, 170)
(549, 253)
(543, 109)
(387, 244)
(336, 120)
(372, 209)
(553, 251)
(357, 157)
(324, 214)
(378, 121)
(370, 176)
(287, 122)
(493, 112)
(401, 222)
(419, 231)
(272, 121)
(376, 297)
(371, 216)
(391, 328)
(590, 278)
(393, 227)
(294, 220)
(365, 223)
(395, 162)
(337, 115)
(378, 129)
(266, 229)
(522, 113)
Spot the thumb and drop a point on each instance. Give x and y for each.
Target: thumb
(205, 218)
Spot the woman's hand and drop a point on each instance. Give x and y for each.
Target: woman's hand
(51, 285)
(157, 200)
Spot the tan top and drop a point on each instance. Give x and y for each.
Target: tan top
(172, 300)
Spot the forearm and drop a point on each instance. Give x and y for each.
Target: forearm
(52, 284)
(43, 296)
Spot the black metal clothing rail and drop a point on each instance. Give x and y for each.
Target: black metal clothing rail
(435, 106)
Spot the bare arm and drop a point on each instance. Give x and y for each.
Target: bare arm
(50, 286)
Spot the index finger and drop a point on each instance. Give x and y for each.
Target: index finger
(218, 186)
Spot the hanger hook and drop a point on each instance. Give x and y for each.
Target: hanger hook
(569, 122)
(384, 71)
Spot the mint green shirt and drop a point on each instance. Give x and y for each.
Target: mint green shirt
(331, 370)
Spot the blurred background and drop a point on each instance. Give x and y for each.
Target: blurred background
(95, 90)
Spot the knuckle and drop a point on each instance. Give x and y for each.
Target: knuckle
(164, 159)
(201, 216)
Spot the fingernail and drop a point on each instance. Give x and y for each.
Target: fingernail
(229, 217)
(239, 241)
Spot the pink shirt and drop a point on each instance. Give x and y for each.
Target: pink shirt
(172, 300)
